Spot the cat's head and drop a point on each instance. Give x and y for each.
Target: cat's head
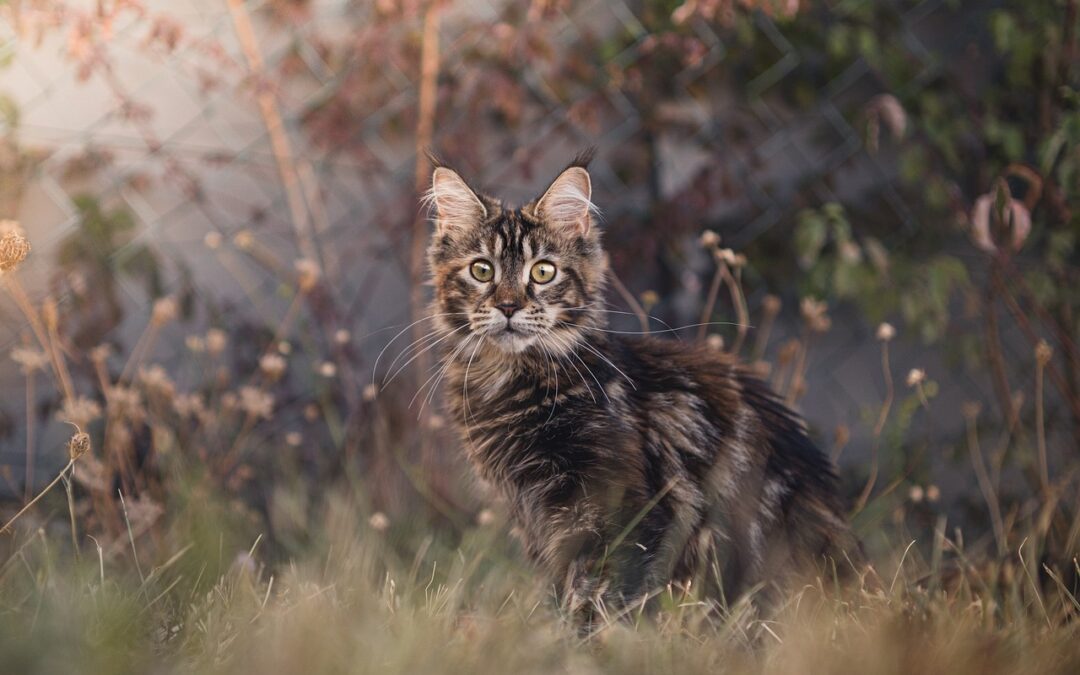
(517, 279)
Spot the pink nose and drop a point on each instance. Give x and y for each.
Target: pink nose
(508, 308)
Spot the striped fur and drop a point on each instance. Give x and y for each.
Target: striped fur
(627, 464)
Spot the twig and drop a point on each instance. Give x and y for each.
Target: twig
(41, 494)
(71, 515)
(275, 128)
(742, 313)
(710, 299)
(984, 482)
(883, 416)
(28, 488)
(631, 301)
(1040, 422)
(40, 332)
(770, 311)
(425, 130)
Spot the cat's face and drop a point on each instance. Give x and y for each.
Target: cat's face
(520, 279)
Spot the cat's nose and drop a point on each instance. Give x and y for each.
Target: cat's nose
(508, 308)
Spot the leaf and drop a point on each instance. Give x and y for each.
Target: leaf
(810, 234)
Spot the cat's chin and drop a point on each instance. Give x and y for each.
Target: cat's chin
(512, 342)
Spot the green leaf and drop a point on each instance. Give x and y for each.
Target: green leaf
(810, 235)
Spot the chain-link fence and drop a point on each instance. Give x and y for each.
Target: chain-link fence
(210, 159)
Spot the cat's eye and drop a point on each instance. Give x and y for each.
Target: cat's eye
(542, 272)
(482, 270)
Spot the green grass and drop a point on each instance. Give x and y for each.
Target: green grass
(209, 595)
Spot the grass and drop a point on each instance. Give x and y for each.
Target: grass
(204, 593)
(194, 535)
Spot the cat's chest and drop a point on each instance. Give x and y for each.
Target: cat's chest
(521, 431)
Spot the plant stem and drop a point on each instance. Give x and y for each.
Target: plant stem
(41, 494)
(630, 300)
(879, 428)
(28, 487)
(710, 299)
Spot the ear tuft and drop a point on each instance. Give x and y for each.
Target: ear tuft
(567, 204)
(454, 202)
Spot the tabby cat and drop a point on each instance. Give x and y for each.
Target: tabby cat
(627, 463)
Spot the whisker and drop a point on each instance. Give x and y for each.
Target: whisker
(465, 391)
(429, 399)
(615, 311)
(585, 343)
(564, 355)
(570, 350)
(417, 343)
(555, 370)
(420, 353)
(668, 330)
(375, 368)
(445, 363)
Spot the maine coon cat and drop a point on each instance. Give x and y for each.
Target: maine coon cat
(627, 463)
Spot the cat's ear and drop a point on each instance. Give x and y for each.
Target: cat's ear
(456, 205)
(567, 204)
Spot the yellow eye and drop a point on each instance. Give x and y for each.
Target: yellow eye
(482, 270)
(542, 272)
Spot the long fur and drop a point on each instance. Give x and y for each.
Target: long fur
(626, 463)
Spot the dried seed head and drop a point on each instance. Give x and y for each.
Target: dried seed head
(485, 518)
(915, 377)
(293, 439)
(29, 360)
(212, 240)
(370, 392)
(79, 445)
(100, 353)
(730, 257)
(709, 239)
(80, 411)
(916, 493)
(189, 405)
(342, 336)
(715, 342)
(164, 311)
(195, 343)
(725, 255)
(244, 240)
(815, 314)
(933, 493)
(307, 274)
(1043, 353)
(256, 402)
(156, 381)
(273, 366)
(216, 340)
(125, 403)
(885, 332)
(379, 522)
(327, 369)
(14, 247)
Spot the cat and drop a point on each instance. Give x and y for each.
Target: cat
(627, 463)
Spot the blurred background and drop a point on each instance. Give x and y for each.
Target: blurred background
(222, 199)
